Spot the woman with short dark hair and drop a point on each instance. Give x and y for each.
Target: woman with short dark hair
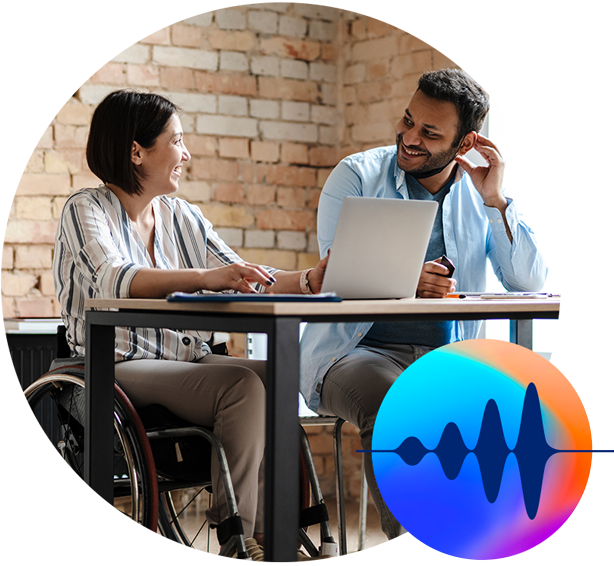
(128, 238)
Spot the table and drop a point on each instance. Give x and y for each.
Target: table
(280, 321)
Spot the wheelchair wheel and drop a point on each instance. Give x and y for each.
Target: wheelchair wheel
(41, 478)
(181, 517)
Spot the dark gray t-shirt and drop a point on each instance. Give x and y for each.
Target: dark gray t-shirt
(424, 333)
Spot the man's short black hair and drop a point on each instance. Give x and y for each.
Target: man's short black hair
(122, 118)
(457, 87)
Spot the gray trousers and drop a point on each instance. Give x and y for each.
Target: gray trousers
(222, 392)
(354, 389)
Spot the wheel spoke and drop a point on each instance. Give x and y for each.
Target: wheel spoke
(190, 502)
(196, 535)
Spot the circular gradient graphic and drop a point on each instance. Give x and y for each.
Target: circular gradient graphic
(479, 449)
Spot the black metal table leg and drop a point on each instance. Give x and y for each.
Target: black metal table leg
(282, 442)
(99, 391)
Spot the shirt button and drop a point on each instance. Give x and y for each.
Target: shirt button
(360, 335)
(491, 220)
(334, 359)
(186, 340)
(499, 220)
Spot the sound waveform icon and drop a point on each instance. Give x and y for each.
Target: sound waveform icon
(532, 451)
(471, 459)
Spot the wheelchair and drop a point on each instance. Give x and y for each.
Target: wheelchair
(162, 463)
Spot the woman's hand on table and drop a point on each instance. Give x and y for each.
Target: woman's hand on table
(236, 276)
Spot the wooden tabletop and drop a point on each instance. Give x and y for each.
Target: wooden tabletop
(348, 307)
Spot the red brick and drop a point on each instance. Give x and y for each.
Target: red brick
(35, 307)
(321, 444)
(249, 172)
(295, 153)
(377, 70)
(176, 78)
(44, 185)
(377, 28)
(234, 147)
(226, 84)
(30, 232)
(417, 62)
(265, 151)
(371, 92)
(288, 89)
(260, 194)
(160, 37)
(203, 168)
(231, 40)
(330, 52)
(295, 48)
(143, 75)
(200, 145)
(314, 198)
(323, 157)
(287, 175)
(111, 73)
(277, 219)
(8, 307)
(291, 198)
(71, 137)
(42, 18)
(229, 192)
(86, 26)
(323, 175)
(186, 36)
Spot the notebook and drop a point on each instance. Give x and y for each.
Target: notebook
(379, 248)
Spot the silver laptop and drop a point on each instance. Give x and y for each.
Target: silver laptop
(379, 248)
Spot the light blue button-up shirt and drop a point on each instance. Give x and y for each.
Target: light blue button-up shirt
(473, 233)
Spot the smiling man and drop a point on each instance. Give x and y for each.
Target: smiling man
(347, 369)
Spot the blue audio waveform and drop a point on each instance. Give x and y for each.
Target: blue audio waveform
(532, 451)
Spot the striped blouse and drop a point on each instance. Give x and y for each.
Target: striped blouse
(98, 252)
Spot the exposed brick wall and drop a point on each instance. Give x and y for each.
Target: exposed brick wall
(386, 47)
(273, 95)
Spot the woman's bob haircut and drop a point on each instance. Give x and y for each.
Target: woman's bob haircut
(122, 118)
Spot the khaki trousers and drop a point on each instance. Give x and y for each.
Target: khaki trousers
(222, 392)
(354, 389)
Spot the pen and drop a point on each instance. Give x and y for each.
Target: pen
(455, 296)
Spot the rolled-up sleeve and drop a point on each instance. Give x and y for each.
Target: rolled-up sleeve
(86, 234)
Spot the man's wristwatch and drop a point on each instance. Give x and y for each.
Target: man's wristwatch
(304, 281)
